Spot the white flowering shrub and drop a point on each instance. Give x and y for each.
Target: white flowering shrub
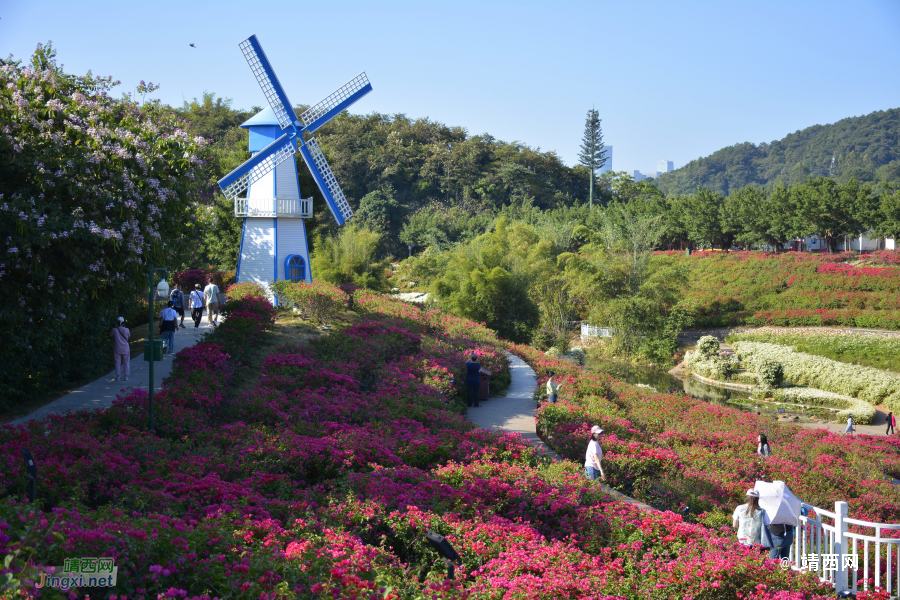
(770, 373)
(870, 385)
(708, 346)
(92, 189)
(720, 368)
(863, 412)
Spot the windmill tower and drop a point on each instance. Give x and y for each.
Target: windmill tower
(274, 244)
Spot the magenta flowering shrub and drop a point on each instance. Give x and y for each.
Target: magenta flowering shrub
(238, 291)
(92, 189)
(318, 483)
(188, 279)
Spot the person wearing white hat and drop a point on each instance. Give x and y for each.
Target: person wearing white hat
(593, 458)
(751, 521)
(121, 349)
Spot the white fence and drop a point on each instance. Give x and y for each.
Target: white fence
(824, 545)
(298, 208)
(594, 331)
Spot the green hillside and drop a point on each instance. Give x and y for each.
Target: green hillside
(867, 148)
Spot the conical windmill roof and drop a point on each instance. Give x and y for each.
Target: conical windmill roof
(264, 117)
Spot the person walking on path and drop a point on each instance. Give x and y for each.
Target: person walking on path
(197, 301)
(751, 521)
(473, 380)
(177, 298)
(211, 292)
(593, 458)
(121, 349)
(891, 423)
(782, 537)
(850, 429)
(168, 323)
(762, 445)
(552, 388)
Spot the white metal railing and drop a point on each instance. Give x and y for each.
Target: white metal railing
(847, 559)
(273, 207)
(594, 331)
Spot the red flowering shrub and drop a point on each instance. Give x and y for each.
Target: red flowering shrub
(188, 279)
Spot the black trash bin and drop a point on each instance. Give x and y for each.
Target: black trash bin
(484, 391)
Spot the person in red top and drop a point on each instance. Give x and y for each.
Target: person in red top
(121, 349)
(891, 423)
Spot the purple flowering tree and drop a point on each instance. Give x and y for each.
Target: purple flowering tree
(92, 188)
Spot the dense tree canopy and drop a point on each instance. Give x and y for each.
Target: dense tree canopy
(866, 148)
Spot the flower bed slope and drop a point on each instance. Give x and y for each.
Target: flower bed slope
(789, 289)
(322, 481)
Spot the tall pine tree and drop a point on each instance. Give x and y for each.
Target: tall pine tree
(592, 154)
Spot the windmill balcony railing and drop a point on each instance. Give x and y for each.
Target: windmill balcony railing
(848, 553)
(273, 207)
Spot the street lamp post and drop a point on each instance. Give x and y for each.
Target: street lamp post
(163, 288)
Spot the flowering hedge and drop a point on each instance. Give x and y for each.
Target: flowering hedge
(91, 189)
(313, 485)
(876, 349)
(866, 384)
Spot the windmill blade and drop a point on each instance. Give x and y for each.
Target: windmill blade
(264, 74)
(342, 98)
(236, 182)
(326, 181)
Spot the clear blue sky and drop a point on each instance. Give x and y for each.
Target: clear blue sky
(674, 80)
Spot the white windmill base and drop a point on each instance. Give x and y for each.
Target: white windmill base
(269, 246)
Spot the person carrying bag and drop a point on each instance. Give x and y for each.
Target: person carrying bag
(197, 302)
(168, 323)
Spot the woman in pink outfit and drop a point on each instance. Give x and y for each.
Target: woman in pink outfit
(121, 349)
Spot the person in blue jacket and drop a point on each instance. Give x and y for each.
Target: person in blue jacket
(473, 379)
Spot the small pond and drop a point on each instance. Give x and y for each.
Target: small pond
(662, 381)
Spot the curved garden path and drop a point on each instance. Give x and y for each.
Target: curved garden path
(514, 413)
(102, 392)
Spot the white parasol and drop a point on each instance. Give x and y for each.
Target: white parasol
(782, 506)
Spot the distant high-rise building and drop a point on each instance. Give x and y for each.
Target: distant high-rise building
(664, 166)
(607, 164)
(638, 176)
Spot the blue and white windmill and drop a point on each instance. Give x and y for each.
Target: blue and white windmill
(273, 242)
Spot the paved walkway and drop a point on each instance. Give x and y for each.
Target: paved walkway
(102, 393)
(514, 413)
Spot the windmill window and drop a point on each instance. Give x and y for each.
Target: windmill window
(295, 268)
